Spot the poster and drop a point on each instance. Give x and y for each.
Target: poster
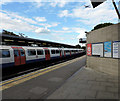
(89, 49)
(116, 49)
(107, 49)
(97, 49)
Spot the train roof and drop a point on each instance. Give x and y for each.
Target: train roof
(42, 47)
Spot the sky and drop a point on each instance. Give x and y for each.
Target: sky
(62, 21)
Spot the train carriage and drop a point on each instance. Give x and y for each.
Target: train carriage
(20, 55)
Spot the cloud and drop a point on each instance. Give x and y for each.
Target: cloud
(40, 19)
(64, 13)
(17, 17)
(2, 2)
(49, 25)
(74, 30)
(61, 31)
(80, 31)
(90, 16)
(60, 3)
(81, 35)
(65, 28)
(42, 31)
(37, 3)
(15, 22)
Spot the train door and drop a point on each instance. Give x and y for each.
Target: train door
(60, 53)
(19, 56)
(47, 54)
(70, 52)
(64, 53)
(22, 56)
(16, 56)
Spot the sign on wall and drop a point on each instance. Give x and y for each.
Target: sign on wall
(89, 49)
(107, 49)
(116, 49)
(97, 49)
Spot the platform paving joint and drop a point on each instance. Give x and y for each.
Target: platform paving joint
(88, 84)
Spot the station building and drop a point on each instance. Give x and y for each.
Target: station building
(103, 49)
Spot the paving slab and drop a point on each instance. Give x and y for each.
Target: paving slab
(42, 86)
(88, 84)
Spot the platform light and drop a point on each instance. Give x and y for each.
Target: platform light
(8, 40)
(21, 41)
(30, 42)
(38, 43)
(44, 43)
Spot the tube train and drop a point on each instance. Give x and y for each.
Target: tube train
(20, 55)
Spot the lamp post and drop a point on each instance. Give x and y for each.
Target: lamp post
(116, 9)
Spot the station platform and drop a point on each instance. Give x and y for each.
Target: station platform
(67, 80)
(41, 83)
(87, 83)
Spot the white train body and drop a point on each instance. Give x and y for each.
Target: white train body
(19, 55)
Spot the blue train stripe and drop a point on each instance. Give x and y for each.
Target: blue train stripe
(7, 65)
(35, 60)
(55, 57)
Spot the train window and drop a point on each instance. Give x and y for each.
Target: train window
(16, 53)
(57, 51)
(67, 51)
(39, 52)
(4, 53)
(53, 51)
(22, 52)
(31, 52)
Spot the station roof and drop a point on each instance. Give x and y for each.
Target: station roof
(23, 41)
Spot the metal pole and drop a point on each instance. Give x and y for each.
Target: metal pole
(116, 9)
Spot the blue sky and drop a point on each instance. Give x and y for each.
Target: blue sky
(57, 21)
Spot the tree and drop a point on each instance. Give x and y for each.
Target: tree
(78, 46)
(101, 26)
(22, 35)
(11, 33)
(84, 47)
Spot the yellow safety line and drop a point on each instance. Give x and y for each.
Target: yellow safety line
(33, 73)
(25, 75)
(28, 78)
(33, 76)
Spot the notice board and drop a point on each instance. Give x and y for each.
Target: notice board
(89, 49)
(97, 49)
(116, 49)
(107, 49)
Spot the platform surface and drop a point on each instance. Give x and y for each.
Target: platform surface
(41, 84)
(88, 84)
